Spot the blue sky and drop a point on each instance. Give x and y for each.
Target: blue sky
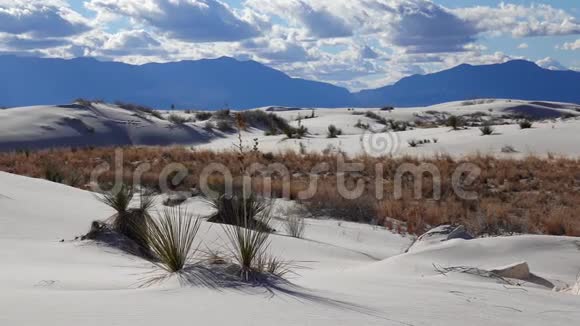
(353, 43)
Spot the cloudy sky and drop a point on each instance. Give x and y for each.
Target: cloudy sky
(353, 43)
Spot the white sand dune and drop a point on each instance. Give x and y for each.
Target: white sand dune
(104, 125)
(548, 136)
(76, 125)
(353, 274)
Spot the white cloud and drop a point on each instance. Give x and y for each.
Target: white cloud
(520, 21)
(523, 46)
(551, 63)
(40, 19)
(188, 20)
(315, 16)
(570, 45)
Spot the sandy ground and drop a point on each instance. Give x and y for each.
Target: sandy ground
(351, 274)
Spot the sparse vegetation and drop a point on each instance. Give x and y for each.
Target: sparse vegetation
(170, 238)
(487, 130)
(455, 122)
(525, 124)
(527, 195)
(203, 116)
(177, 119)
(131, 222)
(363, 126)
(376, 117)
(295, 226)
(225, 125)
(413, 142)
(240, 209)
(333, 132)
(209, 126)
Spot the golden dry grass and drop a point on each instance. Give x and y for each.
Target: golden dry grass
(530, 195)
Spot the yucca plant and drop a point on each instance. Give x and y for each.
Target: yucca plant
(239, 210)
(171, 238)
(131, 222)
(295, 226)
(248, 246)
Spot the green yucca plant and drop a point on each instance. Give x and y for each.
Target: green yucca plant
(239, 209)
(171, 237)
(129, 221)
(248, 248)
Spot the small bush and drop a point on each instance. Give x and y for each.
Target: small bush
(333, 132)
(53, 173)
(487, 130)
(209, 126)
(234, 209)
(225, 125)
(222, 114)
(295, 226)
(363, 126)
(177, 119)
(525, 124)
(413, 143)
(170, 238)
(376, 117)
(454, 122)
(130, 222)
(203, 116)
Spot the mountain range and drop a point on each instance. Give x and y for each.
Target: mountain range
(227, 82)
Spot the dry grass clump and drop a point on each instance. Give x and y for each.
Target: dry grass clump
(529, 195)
(295, 226)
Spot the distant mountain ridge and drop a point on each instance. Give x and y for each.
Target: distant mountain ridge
(226, 82)
(517, 79)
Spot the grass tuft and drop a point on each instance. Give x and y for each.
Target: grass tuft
(171, 237)
(295, 226)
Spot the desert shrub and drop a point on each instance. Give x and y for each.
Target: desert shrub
(376, 117)
(273, 123)
(525, 124)
(363, 126)
(170, 238)
(53, 172)
(333, 132)
(225, 125)
(398, 125)
(209, 126)
(486, 130)
(140, 109)
(239, 209)
(454, 122)
(248, 249)
(222, 114)
(203, 116)
(295, 226)
(413, 142)
(176, 119)
(128, 221)
(301, 132)
(83, 102)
